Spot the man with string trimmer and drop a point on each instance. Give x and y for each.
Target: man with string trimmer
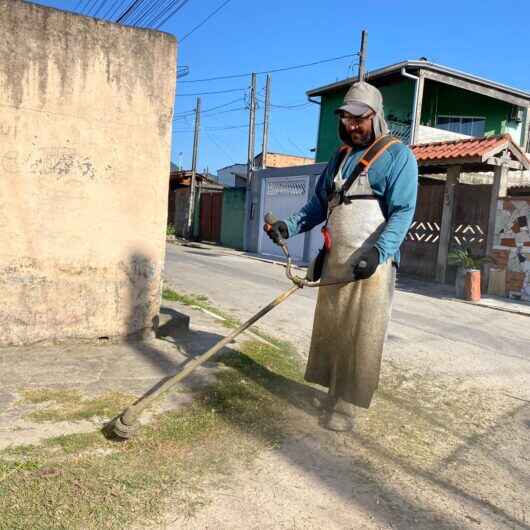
(366, 196)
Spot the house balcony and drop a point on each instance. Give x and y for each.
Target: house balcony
(425, 134)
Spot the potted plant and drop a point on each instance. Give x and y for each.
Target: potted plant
(468, 272)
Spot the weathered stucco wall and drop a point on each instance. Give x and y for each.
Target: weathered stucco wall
(85, 115)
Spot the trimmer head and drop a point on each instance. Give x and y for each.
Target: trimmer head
(121, 430)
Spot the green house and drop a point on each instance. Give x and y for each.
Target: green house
(427, 102)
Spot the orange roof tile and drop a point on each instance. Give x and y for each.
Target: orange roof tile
(459, 149)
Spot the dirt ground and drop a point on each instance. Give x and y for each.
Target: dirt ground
(429, 455)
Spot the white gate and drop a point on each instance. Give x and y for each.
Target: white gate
(283, 196)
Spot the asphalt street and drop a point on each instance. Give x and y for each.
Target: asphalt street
(427, 333)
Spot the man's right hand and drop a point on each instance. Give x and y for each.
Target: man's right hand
(277, 231)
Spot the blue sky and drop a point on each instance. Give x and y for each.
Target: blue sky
(485, 38)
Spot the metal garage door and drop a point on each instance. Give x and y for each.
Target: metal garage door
(283, 196)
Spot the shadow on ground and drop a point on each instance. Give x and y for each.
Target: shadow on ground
(364, 467)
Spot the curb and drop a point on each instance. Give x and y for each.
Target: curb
(231, 252)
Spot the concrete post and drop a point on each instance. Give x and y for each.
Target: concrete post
(453, 174)
(499, 189)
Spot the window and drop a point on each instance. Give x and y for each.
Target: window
(472, 126)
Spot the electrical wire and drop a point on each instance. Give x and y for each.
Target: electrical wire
(214, 92)
(88, 7)
(230, 127)
(271, 71)
(146, 11)
(239, 109)
(101, 5)
(113, 9)
(162, 11)
(192, 111)
(178, 8)
(129, 10)
(213, 13)
(219, 146)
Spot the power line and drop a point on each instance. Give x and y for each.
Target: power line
(271, 71)
(230, 127)
(178, 8)
(148, 10)
(215, 92)
(89, 6)
(205, 20)
(180, 118)
(101, 5)
(219, 146)
(113, 9)
(132, 6)
(192, 111)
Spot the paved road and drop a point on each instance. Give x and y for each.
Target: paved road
(426, 333)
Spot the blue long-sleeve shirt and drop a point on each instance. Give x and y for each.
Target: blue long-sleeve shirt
(394, 181)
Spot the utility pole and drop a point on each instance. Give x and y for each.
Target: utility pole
(362, 55)
(251, 129)
(266, 116)
(191, 208)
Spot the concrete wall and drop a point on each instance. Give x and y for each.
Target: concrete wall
(282, 160)
(85, 124)
(233, 218)
(227, 175)
(427, 135)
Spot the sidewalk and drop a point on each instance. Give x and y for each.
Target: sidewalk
(404, 283)
(62, 383)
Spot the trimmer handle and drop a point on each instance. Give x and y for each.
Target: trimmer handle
(270, 219)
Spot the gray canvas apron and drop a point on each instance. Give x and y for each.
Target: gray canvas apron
(351, 320)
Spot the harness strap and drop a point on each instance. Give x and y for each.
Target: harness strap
(372, 153)
(368, 158)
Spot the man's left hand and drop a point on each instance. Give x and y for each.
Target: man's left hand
(371, 259)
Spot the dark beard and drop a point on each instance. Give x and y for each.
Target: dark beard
(360, 141)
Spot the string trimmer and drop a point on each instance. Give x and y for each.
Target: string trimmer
(127, 423)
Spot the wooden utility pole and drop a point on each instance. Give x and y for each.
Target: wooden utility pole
(191, 207)
(266, 117)
(362, 55)
(251, 129)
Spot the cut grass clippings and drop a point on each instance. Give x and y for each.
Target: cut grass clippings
(86, 481)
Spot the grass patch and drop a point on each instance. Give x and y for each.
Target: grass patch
(42, 395)
(66, 484)
(201, 301)
(75, 443)
(68, 405)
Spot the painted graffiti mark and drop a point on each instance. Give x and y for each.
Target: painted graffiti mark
(65, 163)
(8, 130)
(10, 162)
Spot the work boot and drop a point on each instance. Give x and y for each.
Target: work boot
(322, 403)
(341, 417)
(339, 422)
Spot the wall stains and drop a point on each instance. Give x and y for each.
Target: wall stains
(85, 113)
(65, 163)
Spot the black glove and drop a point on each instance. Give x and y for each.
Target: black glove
(277, 231)
(371, 259)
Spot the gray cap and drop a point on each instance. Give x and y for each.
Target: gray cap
(360, 98)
